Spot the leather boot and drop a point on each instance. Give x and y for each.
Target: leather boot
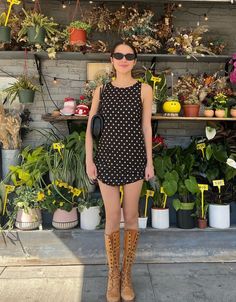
(112, 244)
(130, 246)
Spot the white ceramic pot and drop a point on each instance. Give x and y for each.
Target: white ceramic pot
(219, 216)
(64, 220)
(142, 222)
(90, 218)
(28, 221)
(9, 158)
(160, 218)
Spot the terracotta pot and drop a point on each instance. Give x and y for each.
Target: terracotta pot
(202, 223)
(220, 113)
(65, 220)
(191, 110)
(233, 112)
(209, 112)
(78, 36)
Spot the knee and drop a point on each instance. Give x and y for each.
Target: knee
(131, 218)
(113, 220)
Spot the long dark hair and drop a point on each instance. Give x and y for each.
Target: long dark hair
(122, 42)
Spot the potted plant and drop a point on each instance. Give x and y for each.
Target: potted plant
(37, 27)
(220, 104)
(89, 209)
(77, 31)
(27, 207)
(5, 31)
(10, 139)
(164, 186)
(24, 88)
(171, 106)
(61, 199)
(191, 106)
(201, 212)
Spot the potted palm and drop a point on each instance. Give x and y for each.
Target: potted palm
(24, 88)
(36, 27)
(77, 31)
(201, 212)
(89, 209)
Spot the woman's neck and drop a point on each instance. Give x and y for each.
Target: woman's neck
(124, 79)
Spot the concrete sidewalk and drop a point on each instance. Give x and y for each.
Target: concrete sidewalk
(175, 282)
(75, 246)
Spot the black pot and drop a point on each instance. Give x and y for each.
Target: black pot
(34, 38)
(5, 34)
(185, 220)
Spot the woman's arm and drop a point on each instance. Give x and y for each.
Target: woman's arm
(90, 167)
(147, 99)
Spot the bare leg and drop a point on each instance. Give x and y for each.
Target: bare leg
(132, 193)
(111, 199)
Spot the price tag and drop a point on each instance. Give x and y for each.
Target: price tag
(218, 183)
(201, 147)
(155, 79)
(150, 193)
(203, 187)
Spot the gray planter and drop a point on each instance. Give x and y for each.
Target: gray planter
(26, 96)
(34, 38)
(5, 34)
(9, 158)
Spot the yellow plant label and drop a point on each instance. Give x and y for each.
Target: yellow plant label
(150, 193)
(203, 187)
(162, 190)
(218, 182)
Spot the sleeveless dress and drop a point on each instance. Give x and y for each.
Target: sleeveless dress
(121, 155)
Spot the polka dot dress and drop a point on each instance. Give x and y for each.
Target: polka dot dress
(121, 154)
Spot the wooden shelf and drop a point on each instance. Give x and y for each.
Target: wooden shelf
(105, 57)
(50, 118)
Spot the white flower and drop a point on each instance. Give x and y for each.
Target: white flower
(231, 163)
(210, 132)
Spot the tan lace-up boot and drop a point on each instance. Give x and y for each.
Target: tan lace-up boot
(112, 244)
(130, 246)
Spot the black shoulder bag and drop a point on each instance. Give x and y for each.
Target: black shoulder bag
(97, 121)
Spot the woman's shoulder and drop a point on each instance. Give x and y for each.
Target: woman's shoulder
(146, 88)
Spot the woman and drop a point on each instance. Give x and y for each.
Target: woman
(124, 157)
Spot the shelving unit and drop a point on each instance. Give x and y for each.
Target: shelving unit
(105, 56)
(50, 118)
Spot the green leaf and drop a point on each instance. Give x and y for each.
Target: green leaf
(209, 152)
(170, 187)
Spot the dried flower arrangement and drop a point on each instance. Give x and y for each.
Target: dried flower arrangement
(188, 42)
(9, 130)
(137, 28)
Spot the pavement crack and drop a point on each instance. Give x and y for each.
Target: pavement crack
(22, 247)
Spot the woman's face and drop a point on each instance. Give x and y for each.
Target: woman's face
(121, 63)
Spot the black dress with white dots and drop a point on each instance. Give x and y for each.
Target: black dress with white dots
(121, 154)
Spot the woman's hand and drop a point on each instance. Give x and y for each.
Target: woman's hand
(149, 172)
(91, 170)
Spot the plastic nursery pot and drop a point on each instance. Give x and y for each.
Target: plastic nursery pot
(78, 36)
(142, 222)
(202, 223)
(191, 110)
(26, 96)
(209, 112)
(34, 38)
(5, 34)
(160, 218)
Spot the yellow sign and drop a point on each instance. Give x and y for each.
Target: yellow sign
(11, 3)
(203, 187)
(218, 183)
(148, 193)
(122, 194)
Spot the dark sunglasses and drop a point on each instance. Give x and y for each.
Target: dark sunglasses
(120, 56)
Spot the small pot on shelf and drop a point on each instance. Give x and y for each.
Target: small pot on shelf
(191, 110)
(202, 223)
(233, 111)
(220, 113)
(208, 112)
